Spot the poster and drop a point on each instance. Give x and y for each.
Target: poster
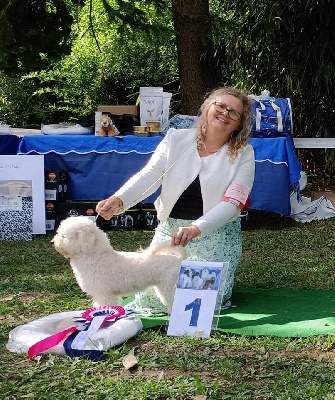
(28, 168)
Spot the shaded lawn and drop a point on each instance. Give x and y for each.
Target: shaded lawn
(278, 253)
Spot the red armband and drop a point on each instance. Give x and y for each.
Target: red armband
(237, 193)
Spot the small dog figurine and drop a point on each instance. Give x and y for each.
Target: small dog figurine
(107, 128)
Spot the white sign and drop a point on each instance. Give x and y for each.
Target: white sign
(199, 290)
(28, 167)
(10, 203)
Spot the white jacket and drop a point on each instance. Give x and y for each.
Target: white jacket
(175, 164)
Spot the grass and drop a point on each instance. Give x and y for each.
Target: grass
(278, 253)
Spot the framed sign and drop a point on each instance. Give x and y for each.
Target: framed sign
(198, 295)
(28, 168)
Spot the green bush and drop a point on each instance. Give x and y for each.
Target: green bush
(105, 68)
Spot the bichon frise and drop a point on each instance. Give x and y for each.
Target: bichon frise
(108, 275)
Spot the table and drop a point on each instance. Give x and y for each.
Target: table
(98, 166)
(9, 145)
(277, 172)
(313, 153)
(314, 143)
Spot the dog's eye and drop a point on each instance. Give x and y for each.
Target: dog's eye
(63, 236)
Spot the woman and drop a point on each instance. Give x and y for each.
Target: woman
(205, 175)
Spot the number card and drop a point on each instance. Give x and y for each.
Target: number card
(198, 295)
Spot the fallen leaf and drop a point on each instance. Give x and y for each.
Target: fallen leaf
(129, 361)
(200, 397)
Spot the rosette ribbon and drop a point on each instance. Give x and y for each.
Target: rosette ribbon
(75, 339)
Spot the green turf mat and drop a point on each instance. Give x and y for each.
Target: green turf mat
(274, 312)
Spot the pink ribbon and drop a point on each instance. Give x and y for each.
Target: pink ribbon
(48, 342)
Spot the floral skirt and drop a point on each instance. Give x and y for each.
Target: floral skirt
(223, 245)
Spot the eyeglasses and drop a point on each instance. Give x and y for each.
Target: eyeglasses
(221, 108)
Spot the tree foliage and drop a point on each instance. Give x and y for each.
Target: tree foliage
(32, 32)
(117, 46)
(107, 65)
(288, 48)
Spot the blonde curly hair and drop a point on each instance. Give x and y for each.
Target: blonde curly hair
(238, 139)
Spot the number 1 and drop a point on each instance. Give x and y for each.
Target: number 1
(195, 307)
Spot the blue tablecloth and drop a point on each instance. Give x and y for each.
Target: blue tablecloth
(277, 172)
(87, 144)
(9, 145)
(98, 166)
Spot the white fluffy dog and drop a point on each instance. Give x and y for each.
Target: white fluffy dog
(108, 275)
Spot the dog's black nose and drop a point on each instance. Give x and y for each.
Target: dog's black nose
(52, 242)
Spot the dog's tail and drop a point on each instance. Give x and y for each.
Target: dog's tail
(165, 248)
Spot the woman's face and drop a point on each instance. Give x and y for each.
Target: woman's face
(224, 114)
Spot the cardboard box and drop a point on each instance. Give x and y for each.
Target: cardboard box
(330, 194)
(130, 220)
(149, 217)
(51, 195)
(51, 220)
(118, 122)
(119, 110)
(52, 178)
(75, 208)
(51, 214)
(51, 206)
(56, 184)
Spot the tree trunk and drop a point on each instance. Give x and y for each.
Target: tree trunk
(193, 34)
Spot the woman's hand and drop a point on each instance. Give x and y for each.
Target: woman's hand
(182, 235)
(109, 207)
